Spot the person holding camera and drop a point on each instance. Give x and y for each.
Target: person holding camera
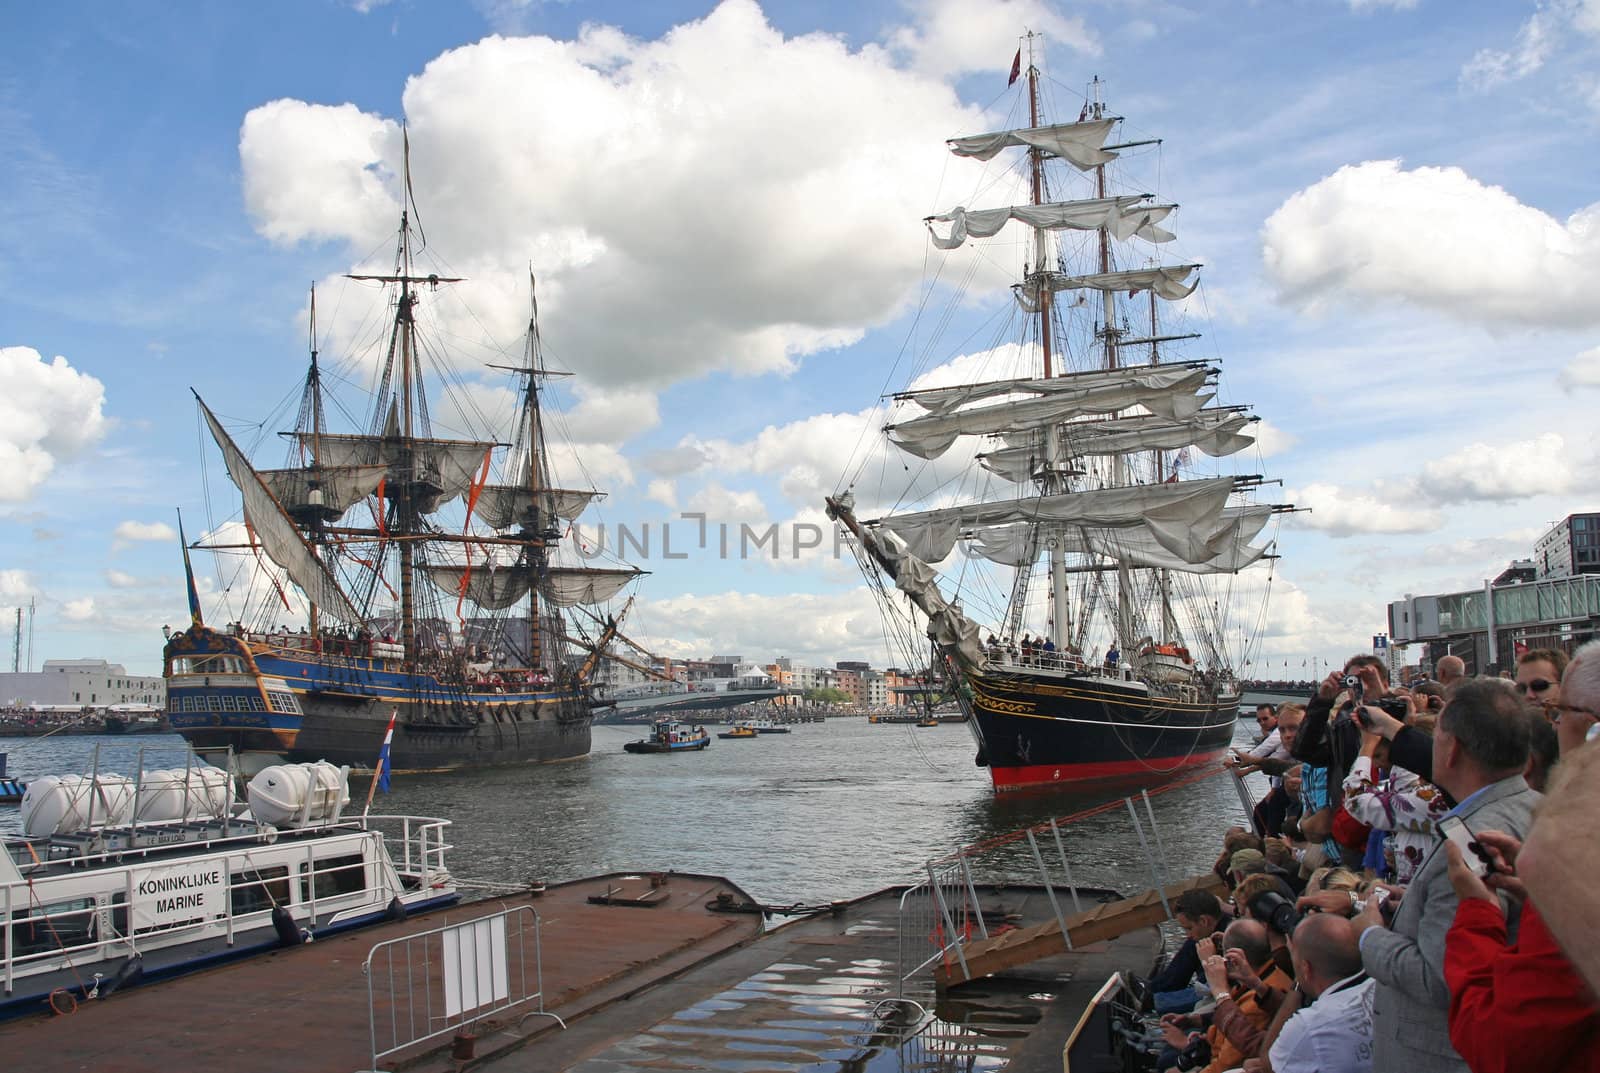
(1479, 751)
(1400, 804)
(1240, 1016)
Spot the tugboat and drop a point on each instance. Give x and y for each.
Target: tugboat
(738, 730)
(668, 736)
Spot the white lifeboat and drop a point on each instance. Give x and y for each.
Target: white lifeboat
(195, 793)
(281, 794)
(62, 804)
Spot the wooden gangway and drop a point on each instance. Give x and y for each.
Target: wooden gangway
(1110, 920)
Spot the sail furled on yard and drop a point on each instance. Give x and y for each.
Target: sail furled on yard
(1079, 144)
(1216, 432)
(1227, 540)
(1173, 392)
(495, 588)
(506, 505)
(1122, 217)
(1170, 282)
(342, 487)
(1179, 516)
(443, 469)
(279, 536)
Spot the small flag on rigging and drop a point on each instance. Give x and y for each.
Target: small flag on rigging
(1016, 67)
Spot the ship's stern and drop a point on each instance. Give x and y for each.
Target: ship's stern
(217, 697)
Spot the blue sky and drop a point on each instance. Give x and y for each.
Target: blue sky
(1394, 203)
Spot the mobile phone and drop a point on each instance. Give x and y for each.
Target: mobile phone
(1456, 830)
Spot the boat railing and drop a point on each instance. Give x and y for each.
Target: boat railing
(422, 844)
(51, 920)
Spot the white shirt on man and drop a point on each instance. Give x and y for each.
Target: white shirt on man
(1332, 1035)
(1270, 748)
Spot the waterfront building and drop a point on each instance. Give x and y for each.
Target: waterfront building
(87, 683)
(1486, 627)
(1571, 546)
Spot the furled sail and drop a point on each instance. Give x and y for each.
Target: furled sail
(496, 588)
(1017, 543)
(341, 486)
(1180, 516)
(1077, 143)
(444, 469)
(505, 505)
(280, 538)
(1215, 432)
(1170, 282)
(1122, 217)
(1172, 392)
(947, 626)
(944, 399)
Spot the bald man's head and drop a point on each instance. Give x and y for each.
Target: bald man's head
(1449, 669)
(1326, 949)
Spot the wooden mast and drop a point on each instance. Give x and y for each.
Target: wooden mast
(535, 481)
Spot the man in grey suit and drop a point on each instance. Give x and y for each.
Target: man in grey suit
(1479, 750)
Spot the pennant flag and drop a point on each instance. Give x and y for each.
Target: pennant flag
(383, 755)
(1016, 67)
(188, 575)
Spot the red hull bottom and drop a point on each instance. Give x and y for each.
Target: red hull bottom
(1036, 775)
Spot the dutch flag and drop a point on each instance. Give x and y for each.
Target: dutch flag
(383, 755)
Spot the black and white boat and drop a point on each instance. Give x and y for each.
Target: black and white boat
(117, 880)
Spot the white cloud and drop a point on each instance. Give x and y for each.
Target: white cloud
(725, 259)
(49, 412)
(952, 37)
(1544, 32)
(119, 580)
(1270, 439)
(1397, 5)
(79, 610)
(663, 491)
(1582, 371)
(16, 586)
(814, 627)
(1343, 512)
(1502, 472)
(1438, 238)
(128, 532)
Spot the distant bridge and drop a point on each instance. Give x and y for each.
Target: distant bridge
(631, 709)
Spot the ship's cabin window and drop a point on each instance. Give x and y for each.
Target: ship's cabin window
(41, 928)
(334, 876)
(208, 665)
(259, 889)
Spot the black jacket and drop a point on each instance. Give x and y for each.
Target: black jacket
(1334, 741)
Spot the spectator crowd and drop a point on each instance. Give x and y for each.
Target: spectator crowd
(1417, 890)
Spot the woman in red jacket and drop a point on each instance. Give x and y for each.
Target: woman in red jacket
(1514, 1006)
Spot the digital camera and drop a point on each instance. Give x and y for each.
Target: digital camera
(1275, 911)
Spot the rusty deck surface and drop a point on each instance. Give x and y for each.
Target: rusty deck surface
(306, 1008)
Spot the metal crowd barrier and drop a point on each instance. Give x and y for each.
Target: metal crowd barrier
(447, 980)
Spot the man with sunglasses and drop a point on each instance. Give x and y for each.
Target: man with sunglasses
(1539, 672)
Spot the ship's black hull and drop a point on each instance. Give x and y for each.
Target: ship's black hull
(1041, 729)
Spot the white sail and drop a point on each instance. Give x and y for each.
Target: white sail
(1122, 217)
(451, 466)
(1170, 392)
(1215, 432)
(341, 487)
(1017, 544)
(1169, 281)
(505, 505)
(1180, 516)
(279, 537)
(568, 585)
(947, 626)
(1077, 143)
(947, 398)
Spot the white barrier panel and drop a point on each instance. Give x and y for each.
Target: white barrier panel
(475, 965)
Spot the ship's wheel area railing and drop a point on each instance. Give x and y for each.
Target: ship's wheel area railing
(981, 890)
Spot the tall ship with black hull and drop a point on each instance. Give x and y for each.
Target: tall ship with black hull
(1072, 511)
(393, 576)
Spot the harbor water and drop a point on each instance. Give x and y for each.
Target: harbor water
(831, 810)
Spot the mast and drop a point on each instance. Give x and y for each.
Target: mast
(1169, 629)
(535, 462)
(314, 393)
(1052, 482)
(1108, 337)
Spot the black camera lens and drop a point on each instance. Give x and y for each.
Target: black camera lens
(1275, 911)
(1350, 681)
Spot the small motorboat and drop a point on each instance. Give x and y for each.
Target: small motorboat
(670, 736)
(767, 726)
(928, 721)
(738, 730)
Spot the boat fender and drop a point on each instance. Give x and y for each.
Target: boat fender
(982, 759)
(127, 975)
(289, 933)
(396, 910)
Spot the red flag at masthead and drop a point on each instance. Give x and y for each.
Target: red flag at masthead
(1016, 67)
